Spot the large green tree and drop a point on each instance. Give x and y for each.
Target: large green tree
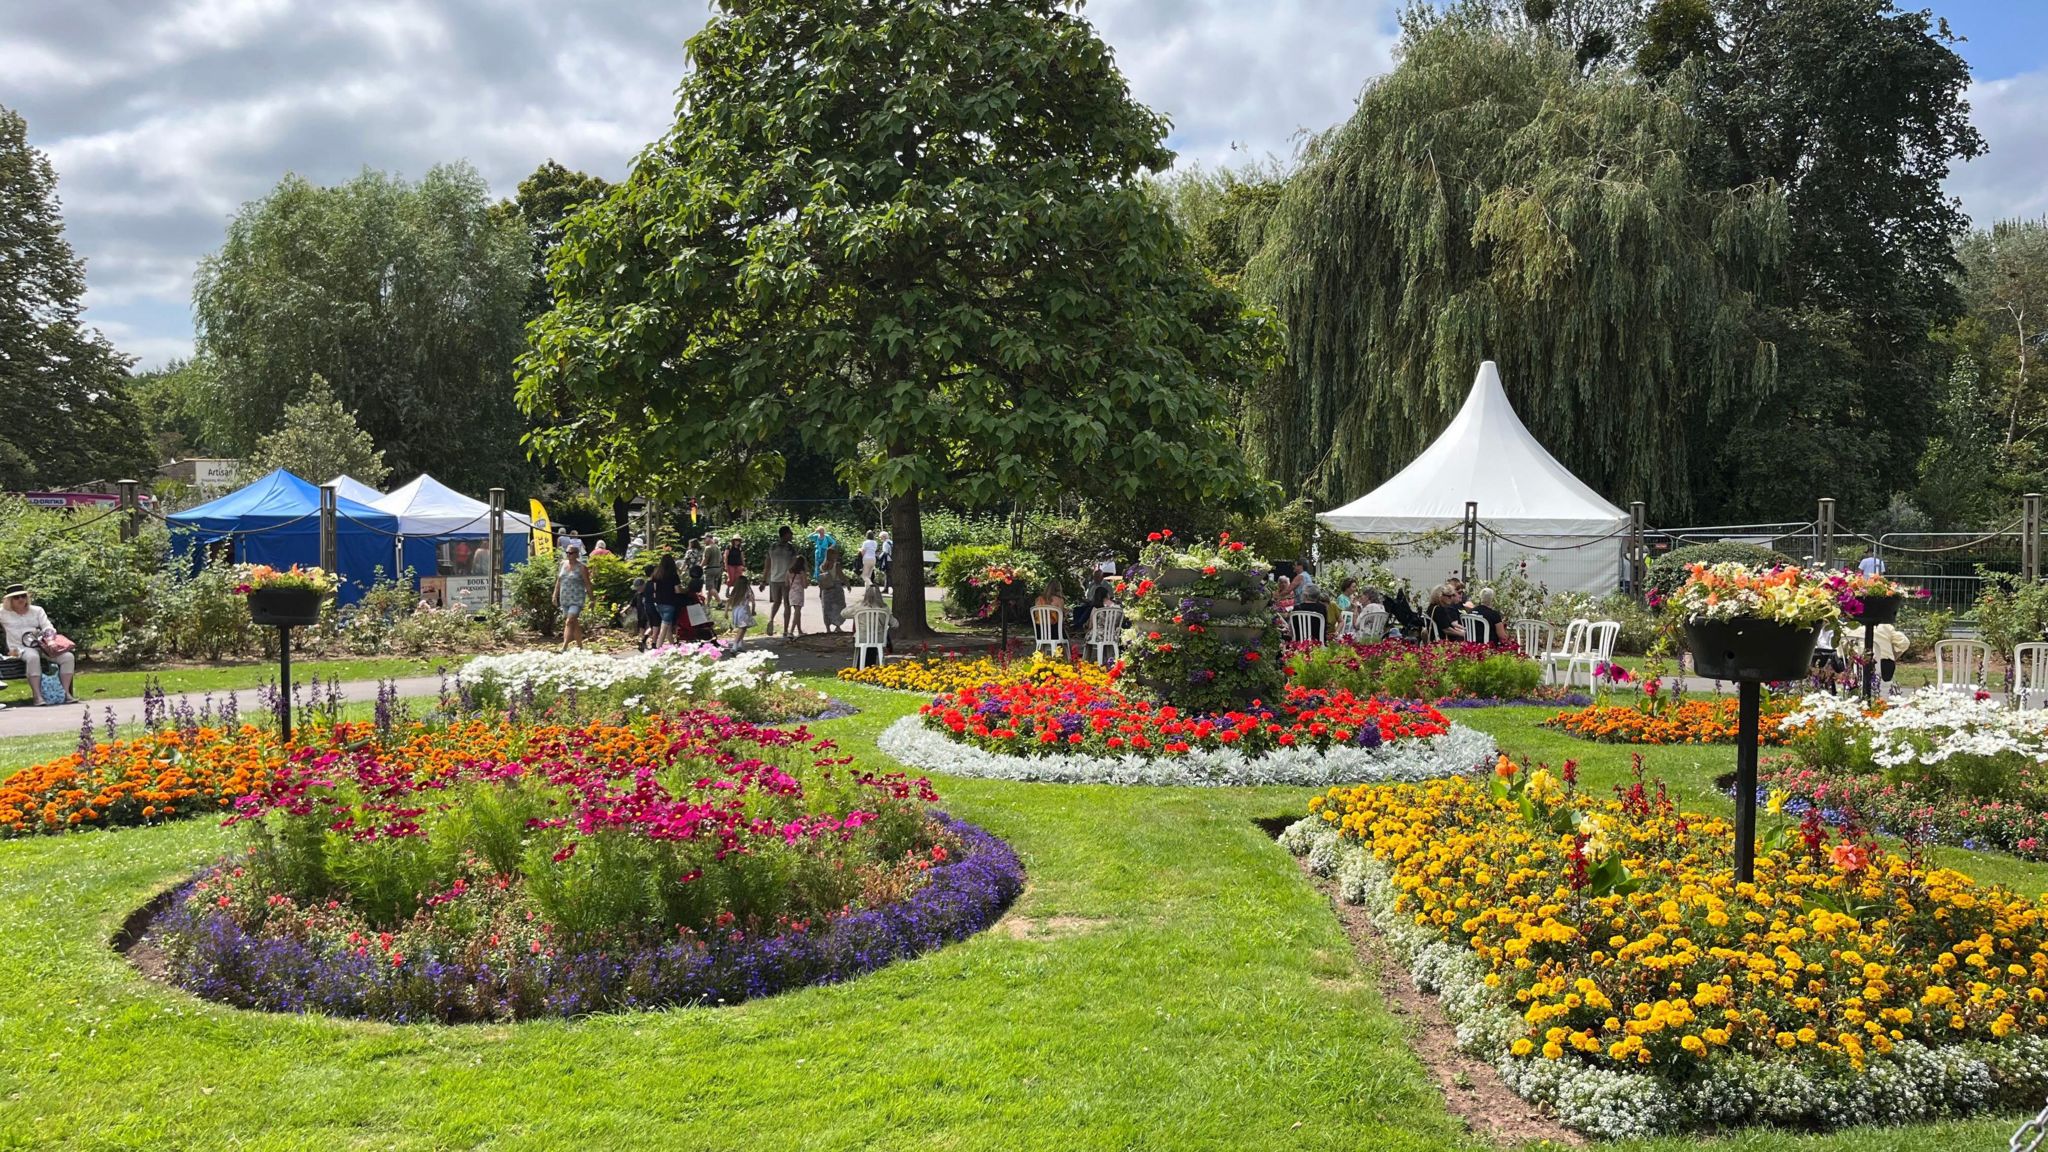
(1854, 108)
(406, 297)
(1490, 199)
(544, 201)
(915, 232)
(69, 418)
(2003, 332)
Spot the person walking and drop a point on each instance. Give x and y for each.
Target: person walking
(1872, 564)
(885, 554)
(799, 583)
(735, 560)
(781, 561)
(832, 592)
(739, 599)
(822, 541)
(714, 571)
(668, 599)
(870, 552)
(572, 592)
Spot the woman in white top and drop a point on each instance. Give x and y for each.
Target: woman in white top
(23, 622)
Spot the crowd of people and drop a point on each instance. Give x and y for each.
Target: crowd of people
(672, 597)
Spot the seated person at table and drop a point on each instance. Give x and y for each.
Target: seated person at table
(1098, 595)
(1444, 610)
(26, 628)
(1485, 610)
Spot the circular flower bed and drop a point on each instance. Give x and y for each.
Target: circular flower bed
(1076, 733)
(482, 872)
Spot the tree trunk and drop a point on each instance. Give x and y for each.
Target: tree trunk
(906, 568)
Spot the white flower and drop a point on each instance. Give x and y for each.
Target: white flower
(1460, 750)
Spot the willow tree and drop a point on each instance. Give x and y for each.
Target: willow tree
(1491, 199)
(914, 233)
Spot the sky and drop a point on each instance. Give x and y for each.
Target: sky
(162, 117)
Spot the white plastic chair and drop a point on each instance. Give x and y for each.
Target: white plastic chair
(1307, 626)
(1596, 647)
(870, 635)
(1962, 666)
(1477, 630)
(1565, 653)
(1048, 630)
(2030, 675)
(1105, 640)
(1533, 637)
(1370, 623)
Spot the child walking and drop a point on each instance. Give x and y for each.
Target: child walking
(740, 599)
(799, 579)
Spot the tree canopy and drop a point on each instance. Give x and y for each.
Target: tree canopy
(317, 441)
(916, 233)
(70, 418)
(1490, 200)
(405, 297)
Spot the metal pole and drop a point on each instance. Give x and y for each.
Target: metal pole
(497, 546)
(328, 539)
(131, 505)
(1749, 703)
(1638, 554)
(284, 675)
(2030, 537)
(1471, 540)
(1824, 525)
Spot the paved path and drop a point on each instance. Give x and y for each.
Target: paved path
(816, 651)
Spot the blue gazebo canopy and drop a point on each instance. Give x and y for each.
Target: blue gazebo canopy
(276, 520)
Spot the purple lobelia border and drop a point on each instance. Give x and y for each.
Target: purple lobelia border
(213, 956)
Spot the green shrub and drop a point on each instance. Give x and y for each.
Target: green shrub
(1668, 571)
(78, 567)
(1505, 677)
(530, 595)
(188, 617)
(611, 576)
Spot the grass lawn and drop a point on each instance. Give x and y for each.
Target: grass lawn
(94, 683)
(1176, 985)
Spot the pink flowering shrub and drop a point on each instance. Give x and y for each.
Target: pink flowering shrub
(486, 849)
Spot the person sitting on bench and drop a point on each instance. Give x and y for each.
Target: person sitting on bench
(27, 630)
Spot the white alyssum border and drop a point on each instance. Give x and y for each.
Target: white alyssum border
(1913, 1083)
(1458, 751)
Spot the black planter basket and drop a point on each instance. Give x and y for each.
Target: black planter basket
(1879, 610)
(296, 607)
(1750, 649)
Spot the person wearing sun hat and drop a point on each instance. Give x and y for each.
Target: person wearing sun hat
(26, 627)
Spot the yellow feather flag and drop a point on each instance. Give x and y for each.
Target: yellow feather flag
(543, 531)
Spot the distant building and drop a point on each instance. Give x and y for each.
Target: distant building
(203, 473)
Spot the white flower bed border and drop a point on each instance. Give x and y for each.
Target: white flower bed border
(1914, 1083)
(698, 672)
(1458, 751)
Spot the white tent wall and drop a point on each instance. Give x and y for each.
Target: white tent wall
(1530, 506)
(1564, 564)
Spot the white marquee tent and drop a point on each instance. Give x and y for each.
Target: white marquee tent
(431, 513)
(1530, 508)
(349, 488)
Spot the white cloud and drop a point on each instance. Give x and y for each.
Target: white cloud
(2011, 179)
(163, 118)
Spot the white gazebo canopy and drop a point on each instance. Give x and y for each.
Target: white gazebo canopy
(428, 508)
(1486, 457)
(349, 488)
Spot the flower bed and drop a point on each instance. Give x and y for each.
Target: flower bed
(1602, 955)
(1076, 733)
(1448, 670)
(579, 683)
(488, 872)
(155, 777)
(952, 671)
(1935, 767)
(1709, 721)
